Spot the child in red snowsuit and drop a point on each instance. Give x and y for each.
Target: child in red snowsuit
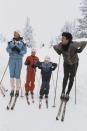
(30, 77)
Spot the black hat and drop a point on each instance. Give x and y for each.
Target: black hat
(67, 35)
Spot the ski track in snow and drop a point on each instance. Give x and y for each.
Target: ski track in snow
(25, 118)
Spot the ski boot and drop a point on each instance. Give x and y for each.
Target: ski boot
(67, 97)
(12, 93)
(62, 97)
(46, 102)
(17, 93)
(26, 94)
(27, 98)
(32, 97)
(40, 103)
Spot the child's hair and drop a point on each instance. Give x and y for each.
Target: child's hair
(67, 35)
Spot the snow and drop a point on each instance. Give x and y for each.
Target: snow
(25, 118)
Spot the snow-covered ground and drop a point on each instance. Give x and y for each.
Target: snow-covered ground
(31, 118)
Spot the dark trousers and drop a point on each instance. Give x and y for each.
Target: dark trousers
(44, 89)
(69, 74)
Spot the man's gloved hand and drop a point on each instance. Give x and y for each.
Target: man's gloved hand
(79, 50)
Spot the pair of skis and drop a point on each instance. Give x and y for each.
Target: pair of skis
(62, 108)
(10, 104)
(27, 99)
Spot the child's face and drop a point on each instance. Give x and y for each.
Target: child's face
(46, 61)
(33, 53)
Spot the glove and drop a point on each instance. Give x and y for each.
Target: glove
(27, 63)
(15, 48)
(54, 64)
(33, 66)
(79, 50)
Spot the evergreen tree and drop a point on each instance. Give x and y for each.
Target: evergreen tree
(70, 27)
(28, 34)
(2, 38)
(82, 27)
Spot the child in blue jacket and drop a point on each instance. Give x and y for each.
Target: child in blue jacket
(46, 70)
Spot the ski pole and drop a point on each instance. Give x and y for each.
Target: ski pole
(53, 80)
(20, 83)
(4, 73)
(2, 92)
(2, 80)
(75, 89)
(75, 84)
(56, 83)
(21, 91)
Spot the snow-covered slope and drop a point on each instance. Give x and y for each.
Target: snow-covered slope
(25, 118)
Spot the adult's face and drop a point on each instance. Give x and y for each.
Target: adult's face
(64, 40)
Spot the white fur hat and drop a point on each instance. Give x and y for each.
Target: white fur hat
(33, 50)
(47, 58)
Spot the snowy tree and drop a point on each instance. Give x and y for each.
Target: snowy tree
(82, 27)
(55, 40)
(28, 34)
(67, 27)
(42, 44)
(70, 27)
(2, 38)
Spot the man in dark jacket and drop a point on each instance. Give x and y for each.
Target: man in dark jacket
(69, 49)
